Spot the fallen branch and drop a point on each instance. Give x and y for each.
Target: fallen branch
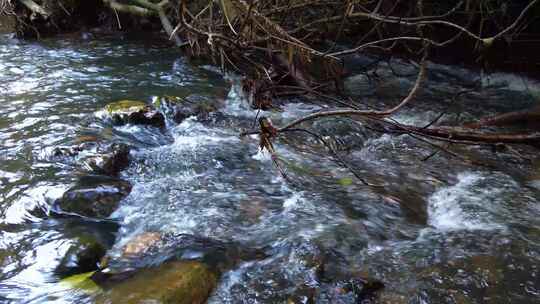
(530, 116)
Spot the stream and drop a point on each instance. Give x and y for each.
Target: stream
(434, 229)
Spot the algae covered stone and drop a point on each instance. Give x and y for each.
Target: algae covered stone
(81, 282)
(183, 282)
(134, 112)
(125, 106)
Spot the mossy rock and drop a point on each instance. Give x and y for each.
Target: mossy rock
(134, 112)
(81, 282)
(185, 282)
(125, 106)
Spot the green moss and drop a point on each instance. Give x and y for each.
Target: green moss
(81, 282)
(174, 282)
(125, 106)
(346, 181)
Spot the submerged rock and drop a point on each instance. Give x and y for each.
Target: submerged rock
(134, 112)
(141, 244)
(181, 282)
(153, 248)
(94, 196)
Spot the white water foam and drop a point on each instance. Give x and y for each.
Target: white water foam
(293, 201)
(461, 207)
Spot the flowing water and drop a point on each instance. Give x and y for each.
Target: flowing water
(434, 229)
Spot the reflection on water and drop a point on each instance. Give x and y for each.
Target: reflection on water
(438, 231)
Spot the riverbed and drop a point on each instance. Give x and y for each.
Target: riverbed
(433, 229)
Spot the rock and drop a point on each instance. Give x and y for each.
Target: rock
(125, 106)
(68, 151)
(359, 85)
(6, 257)
(110, 160)
(183, 108)
(363, 289)
(80, 282)
(152, 248)
(395, 87)
(96, 157)
(147, 117)
(134, 112)
(82, 256)
(94, 196)
(186, 282)
(141, 243)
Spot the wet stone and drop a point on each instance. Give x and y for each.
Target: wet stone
(134, 112)
(110, 160)
(149, 249)
(182, 108)
(186, 282)
(96, 157)
(141, 243)
(94, 196)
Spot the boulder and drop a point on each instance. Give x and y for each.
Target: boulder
(149, 249)
(94, 196)
(96, 157)
(134, 112)
(180, 282)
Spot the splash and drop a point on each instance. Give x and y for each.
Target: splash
(463, 206)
